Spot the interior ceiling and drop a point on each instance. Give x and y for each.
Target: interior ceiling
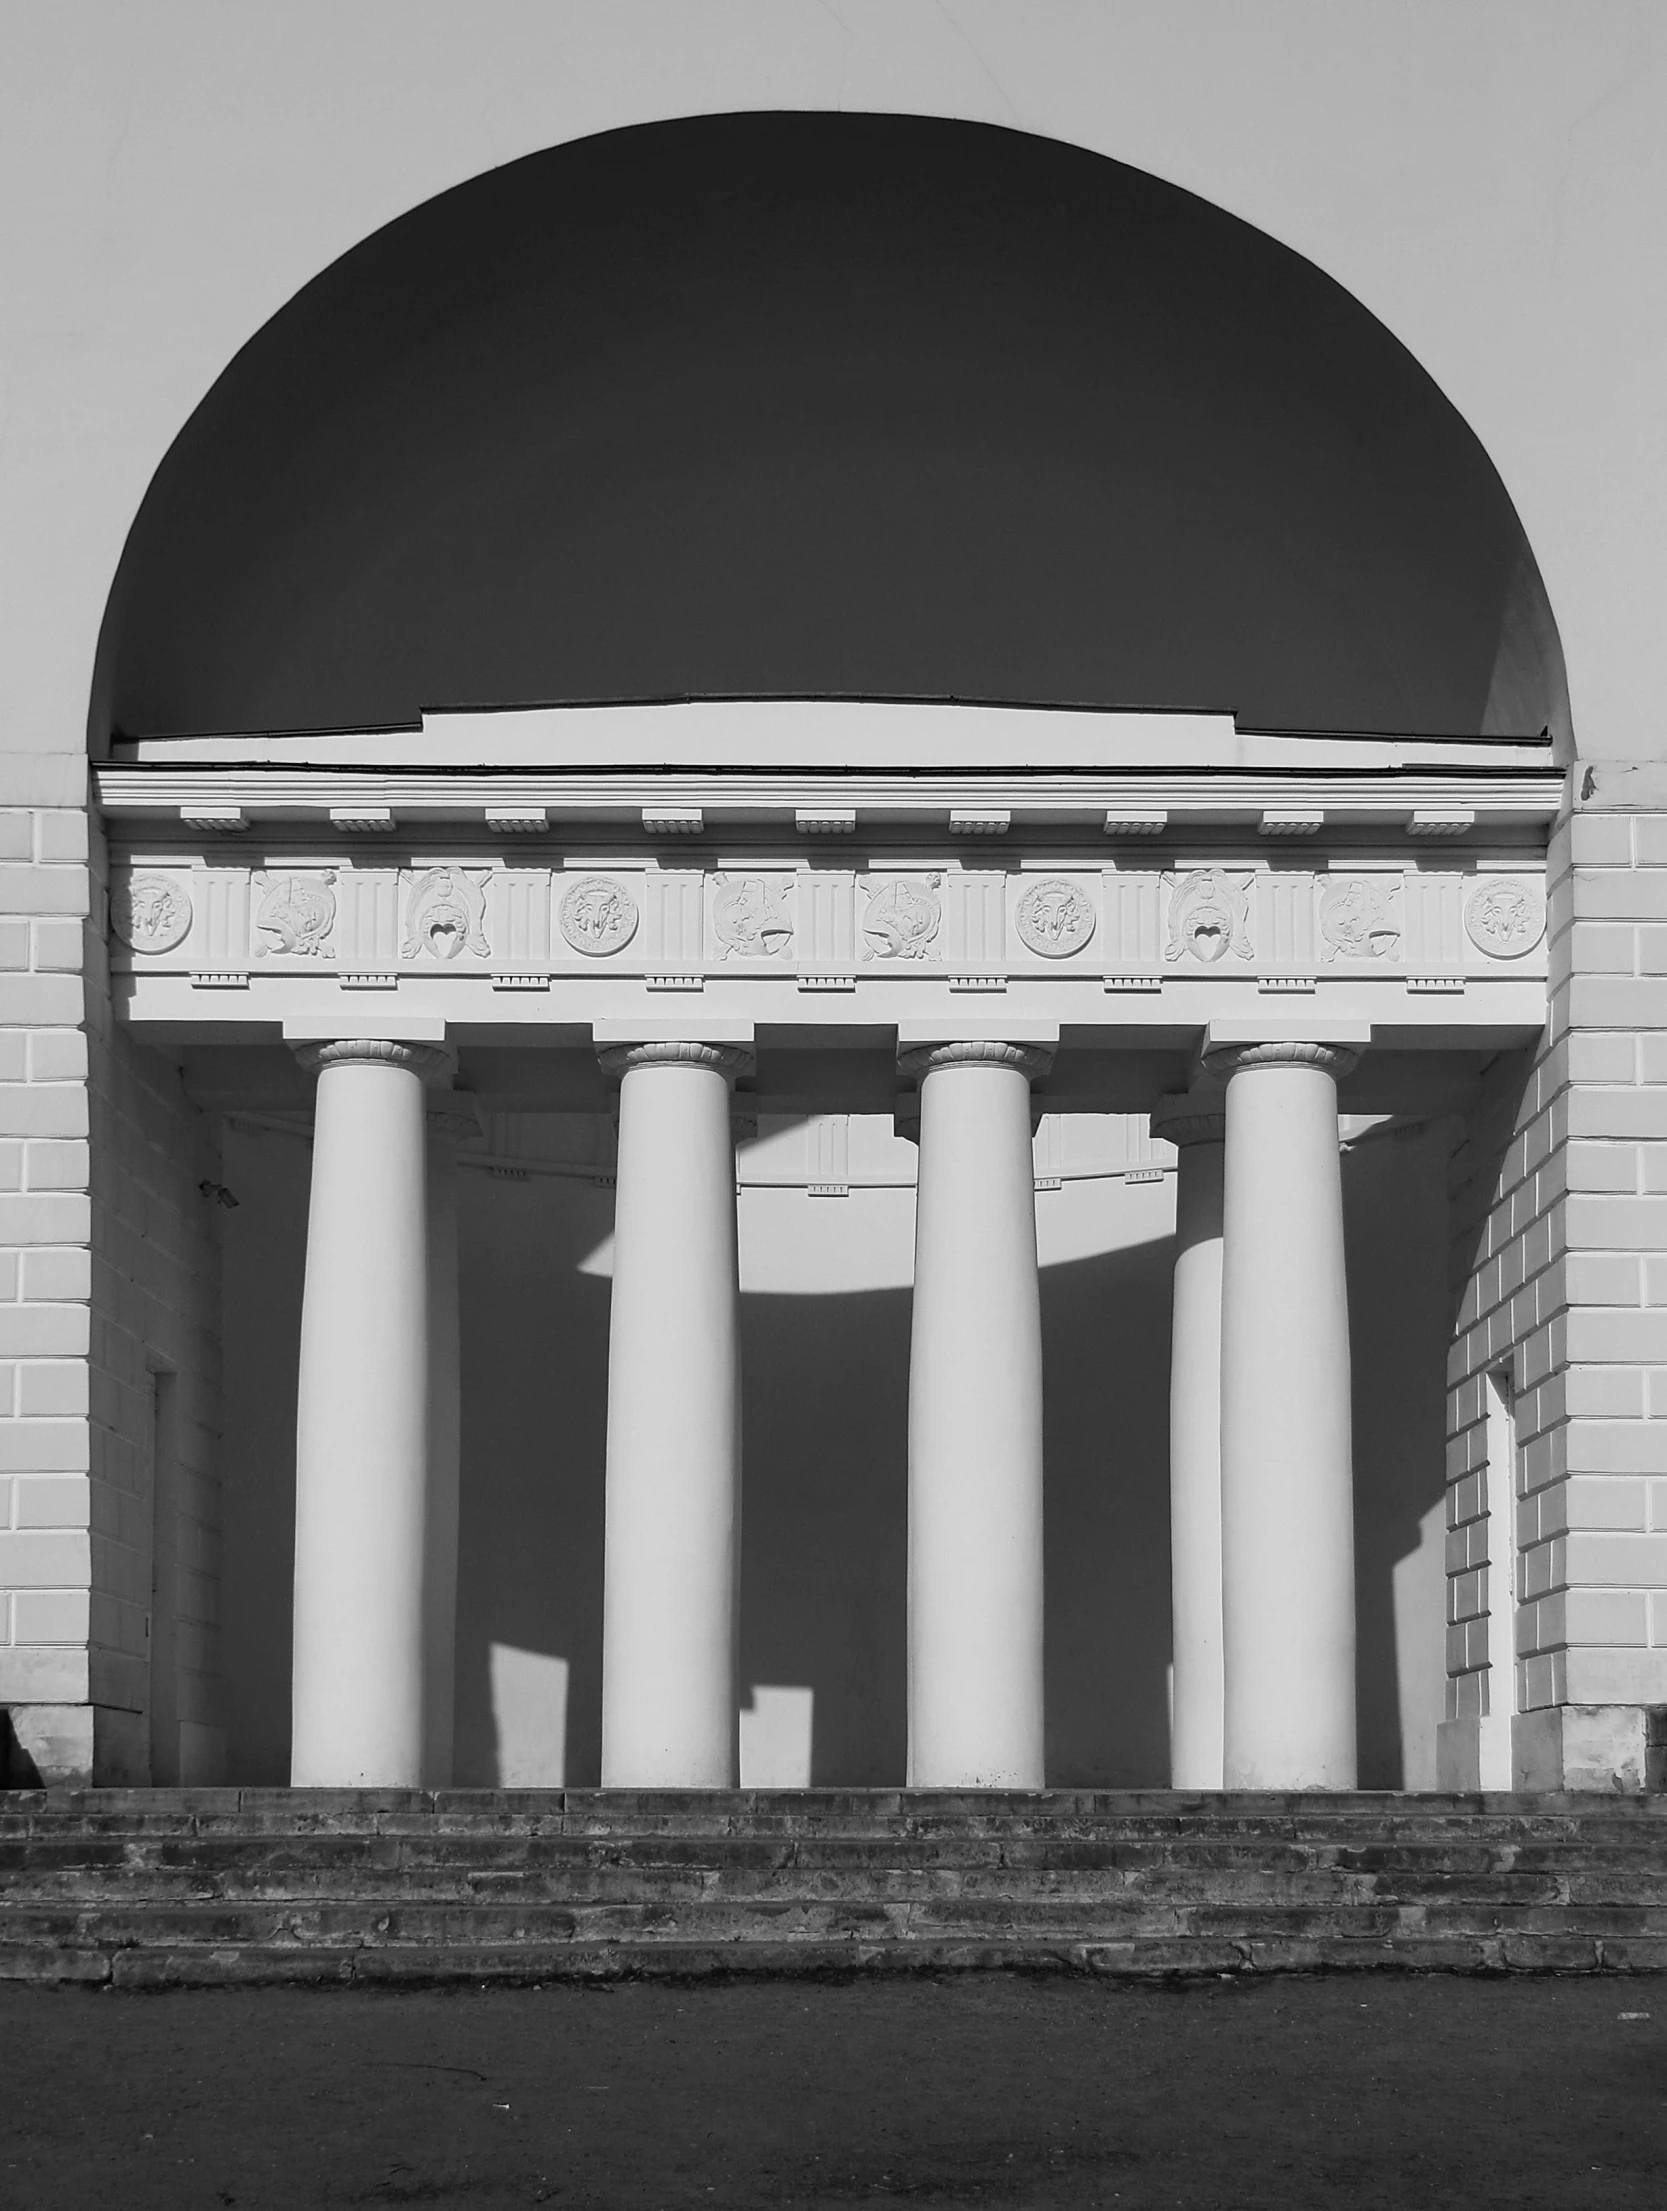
(817, 403)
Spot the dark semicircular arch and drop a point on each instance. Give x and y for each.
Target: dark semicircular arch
(834, 404)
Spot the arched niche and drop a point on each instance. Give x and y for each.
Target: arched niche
(855, 404)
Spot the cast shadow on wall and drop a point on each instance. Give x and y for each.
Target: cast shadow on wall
(824, 1521)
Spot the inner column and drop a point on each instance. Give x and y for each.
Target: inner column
(670, 1714)
(1197, 1127)
(975, 1425)
(449, 1121)
(1287, 1494)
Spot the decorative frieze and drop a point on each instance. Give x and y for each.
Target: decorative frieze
(752, 917)
(676, 931)
(1505, 916)
(1284, 930)
(1435, 945)
(1132, 903)
(975, 929)
(1359, 918)
(518, 928)
(827, 931)
(1209, 917)
(151, 914)
(1266, 924)
(445, 909)
(828, 1155)
(901, 918)
(220, 897)
(1055, 918)
(295, 915)
(598, 915)
(367, 927)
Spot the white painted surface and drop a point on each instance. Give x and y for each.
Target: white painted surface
(777, 1732)
(975, 1439)
(1195, 1752)
(445, 1423)
(826, 1310)
(1286, 1476)
(1495, 1751)
(673, 1459)
(1468, 175)
(529, 1717)
(362, 1435)
(1418, 1590)
(807, 734)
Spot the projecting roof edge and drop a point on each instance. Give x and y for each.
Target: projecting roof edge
(829, 736)
(156, 792)
(519, 777)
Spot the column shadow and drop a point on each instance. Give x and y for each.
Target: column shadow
(1395, 1226)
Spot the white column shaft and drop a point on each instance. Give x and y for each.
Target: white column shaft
(362, 1429)
(975, 1438)
(1195, 1752)
(444, 1461)
(1286, 1458)
(670, 1715)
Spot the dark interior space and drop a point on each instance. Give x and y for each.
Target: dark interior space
(825, 1525)
(819, 403)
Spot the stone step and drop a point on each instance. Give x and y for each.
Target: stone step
(532, 1964)
(640, 1811)
(1639, 1878)
(723, 1920)
(430, 1845)
(143, 1888)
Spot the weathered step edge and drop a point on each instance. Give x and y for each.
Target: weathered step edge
(538, 1965)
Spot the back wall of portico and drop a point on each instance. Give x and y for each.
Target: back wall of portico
(824, 1519)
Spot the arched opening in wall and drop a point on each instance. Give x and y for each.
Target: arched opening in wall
(825, 404)
(864, 406)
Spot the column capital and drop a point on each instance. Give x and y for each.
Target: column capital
(1331, 1059)
(1030, 1060)
(1185, 1118)
(728, 1060)
(422, 1060)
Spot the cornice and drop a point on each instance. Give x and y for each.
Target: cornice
(197, 798)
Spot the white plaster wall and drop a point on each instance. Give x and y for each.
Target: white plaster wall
(826, 1288)
(110, 1271)
(1559, 1209)
(1487, 179)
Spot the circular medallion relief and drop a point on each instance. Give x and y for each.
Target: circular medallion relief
(150, 913)
(597, 915)
(1505, 916)
(1055, 918)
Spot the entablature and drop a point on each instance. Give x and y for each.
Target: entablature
(1156, 873)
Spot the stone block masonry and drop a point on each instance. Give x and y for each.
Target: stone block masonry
(109, 1505)
(1557, 1420)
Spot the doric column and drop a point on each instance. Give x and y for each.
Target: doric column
(451, 1118)
(1286, 1457)
(975, 1425)
(1196, 1125)
(361, 1445)
(670, 1716)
